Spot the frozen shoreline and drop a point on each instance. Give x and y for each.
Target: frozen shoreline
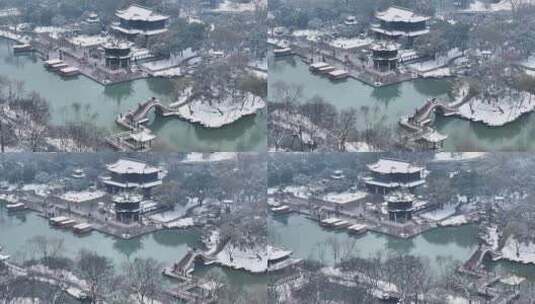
(497, 113)
(220, 114)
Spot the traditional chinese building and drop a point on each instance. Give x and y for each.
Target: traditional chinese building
(390, 174)
(117, 54)
(91, 25)
(78, 173)
(399, 205)
(397, 22)
(127, 207)
(127, 175)
(385, 56)
(137, 20)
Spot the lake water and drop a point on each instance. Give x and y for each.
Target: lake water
(392, 102)
(81, 97)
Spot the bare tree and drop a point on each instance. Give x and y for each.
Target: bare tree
(98, 273)
(143, 279)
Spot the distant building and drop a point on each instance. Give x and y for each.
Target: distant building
(385, 56)
(400, 206)
(338, 174)
(9, 12)
(127, 207)
(137, 20)
(388, 175)
(117, 54)
(350, 20)
(127, 175)
(91, 25)
(396, 23)
(78, 173)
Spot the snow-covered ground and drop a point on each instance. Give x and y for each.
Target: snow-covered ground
(440, 214)
(358, 146)
(299, 125)
(221, 113)
(498, 113)
(350, 43)
(228, 6)
(14, 36)
(450, 299)
(82, 196)
(181, 223)
(460, 94)
(298, 191)
(528, 62)
(211, 242)
(492, 237)
(197, 157)
(512, 280)
(349, 277)
(517, 251)
(344, 197)
(52, 31)
(457, 220)
(175, 214)
(168, 63)
(457, 156)
(87, 41)
(437, 73)
(311, 35)
(250, 259)
(504, 5)
(42, 190)
(168, 73)
(439, 62)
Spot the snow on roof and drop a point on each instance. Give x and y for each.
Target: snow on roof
(53, 61)
(142, 136)
(400, 196)
(136, 12)
(132, 166)
(9, 12)
(117, 44)
(82, 226)
(400, 14)
(338, 73)
(69, 70)
(127, 197)
(434, 137)
(393, 166)
(384, 46)
(317, 65)
(357, 227)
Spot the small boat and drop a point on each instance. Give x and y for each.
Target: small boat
(15, 207)
(280, 52)
(67, 223)
(82, 228)
(58, 66)
(22, 48)
(316, 66)
(357, 229)
(281, 209)
(69, 71)
(341, 224)
(329, 222)
(338, 74)
(326, 70)
(56, 221)
(51, 62)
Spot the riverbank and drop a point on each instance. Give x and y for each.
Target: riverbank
(390, 103)
(80, 100)
(164, 246)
